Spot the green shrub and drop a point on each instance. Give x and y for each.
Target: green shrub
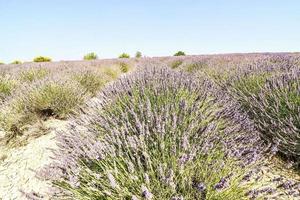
(33, 74)
(195, 66)
(2, 63)
(42, 59)
(251, 84)
(124, 67)
(57, 99)
(138, 54)
(124, 55)
(90, 56)
(179, 53)
(14, 124)
(16, 62)
(247, 86)
(91, 81)
(111, 73)
(175, 64)
(41, 101)
(219, 76)
(6, 86)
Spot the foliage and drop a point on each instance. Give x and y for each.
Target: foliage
(179, 53)
(7, 84)
(196, 66)
(33, 74)
(112, 73)
(91, 81)
(124, 55)
(175, 64)
(90, 56)
(14, 124)
(42, 59)
(41, 101)
(124, 67)
(16, 62)
(55, 99)
(138, 54)
(273, 104)
(245, 86)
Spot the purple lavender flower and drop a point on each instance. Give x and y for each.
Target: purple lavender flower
(146, 193)
(223, 183)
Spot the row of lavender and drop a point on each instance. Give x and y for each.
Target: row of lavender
(267, 87)
(269, 92)
(32, 93)
(165, 134)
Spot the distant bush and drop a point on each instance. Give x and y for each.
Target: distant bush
(138, 54)
(2, 63)
(33, 74)
(179, 53)
(16, 62)
(90, 56)
(124, 55)
(175, 64)
(42, 59)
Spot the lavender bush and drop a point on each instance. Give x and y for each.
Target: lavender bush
(39, 101)
(175, 64)
(157, 134)
(124, 67)
(92, 81)
(32, 74)
(267, 91)
(7, 85)
(274, 108)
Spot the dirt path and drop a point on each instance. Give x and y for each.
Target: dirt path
(17, 170)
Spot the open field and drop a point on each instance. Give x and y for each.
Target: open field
(211, 127)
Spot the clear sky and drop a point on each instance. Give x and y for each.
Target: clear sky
(67, 29)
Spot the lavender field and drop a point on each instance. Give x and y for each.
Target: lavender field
(209, 127)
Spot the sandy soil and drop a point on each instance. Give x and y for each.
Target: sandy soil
(18, 165)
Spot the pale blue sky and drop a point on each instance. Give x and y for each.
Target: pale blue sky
(67, 29)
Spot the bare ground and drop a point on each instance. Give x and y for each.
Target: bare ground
(18, 165)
